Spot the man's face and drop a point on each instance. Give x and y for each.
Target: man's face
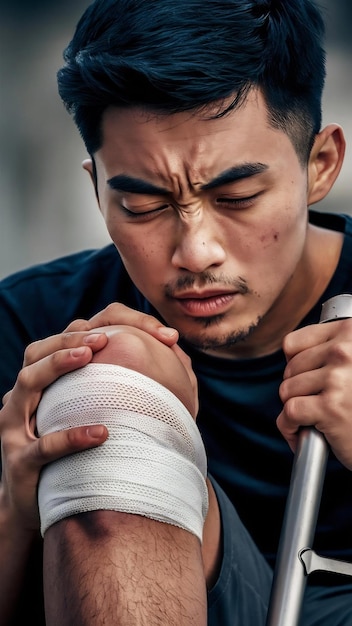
(210, 219)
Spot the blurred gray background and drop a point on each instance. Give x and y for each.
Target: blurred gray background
(47, 204)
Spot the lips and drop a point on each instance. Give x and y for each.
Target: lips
(205, 303)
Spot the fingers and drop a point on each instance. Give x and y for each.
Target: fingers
(320, 399)
(40, 374)
(315, 347)
(310, 336)
(288, 430)
(53, 446)
(305, 338)
(64, 341)
(79, 333)
(21, 403)
(336, 429)
(23, 460)
(118, 313)
(316, 396)
(316, 386)
(307, 411)
(78, 326)
(187, 363)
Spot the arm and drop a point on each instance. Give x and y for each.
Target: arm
(23, 456)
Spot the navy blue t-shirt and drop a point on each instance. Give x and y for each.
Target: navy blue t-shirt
(239, 400)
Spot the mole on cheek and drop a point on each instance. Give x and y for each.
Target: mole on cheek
(267, 238)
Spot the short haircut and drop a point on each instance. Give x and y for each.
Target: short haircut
(170, 56)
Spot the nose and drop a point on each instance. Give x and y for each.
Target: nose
(198, 247)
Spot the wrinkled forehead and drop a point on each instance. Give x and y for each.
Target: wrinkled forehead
(155, 146)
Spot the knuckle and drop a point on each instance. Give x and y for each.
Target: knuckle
(346, 327)
(147, 321)
(57, 360)
(291, 410)
(333, 379)
(24, 378)
(283, 393)
(78, 325)
(341, 352)
(286, 342)
(115, 308)
(114, 313)
(68, 339)
(6, 397)
(74, 439)
(44, 448)
(31, 352)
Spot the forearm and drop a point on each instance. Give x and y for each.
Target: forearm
(15, 547)
(112, 568)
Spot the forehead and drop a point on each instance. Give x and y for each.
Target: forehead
(151, 144)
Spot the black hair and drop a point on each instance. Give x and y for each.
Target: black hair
(169, 56)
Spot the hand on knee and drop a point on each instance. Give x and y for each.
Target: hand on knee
(139, 351)
(153, 463)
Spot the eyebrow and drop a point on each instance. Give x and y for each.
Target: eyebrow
(129, 184)
(122, 182)
(234, 174)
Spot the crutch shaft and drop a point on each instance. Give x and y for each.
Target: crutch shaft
(298, 528)
(302, 506)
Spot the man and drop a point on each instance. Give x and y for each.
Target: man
(202, 122)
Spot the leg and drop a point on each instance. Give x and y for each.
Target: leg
(328, 604)
(112, 568)
(240, 595)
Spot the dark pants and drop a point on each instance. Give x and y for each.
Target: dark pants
(241, 594)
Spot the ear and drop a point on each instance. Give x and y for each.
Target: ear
(89, 166)
(325, 162)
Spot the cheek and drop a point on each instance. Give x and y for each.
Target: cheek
(273, 251)
(140, 251)
(128, 242)
(285, 230)
(269, 238)
(141, 256)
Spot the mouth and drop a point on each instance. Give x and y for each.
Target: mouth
(203, 304)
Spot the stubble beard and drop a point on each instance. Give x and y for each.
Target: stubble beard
(200, 338)
(202, 341)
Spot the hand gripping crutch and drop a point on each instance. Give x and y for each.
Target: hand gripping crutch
(295, 559)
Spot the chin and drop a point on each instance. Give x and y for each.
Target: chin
(207, 339)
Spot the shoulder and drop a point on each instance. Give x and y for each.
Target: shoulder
(74, 265)
(43, 299)
(339, 222)
(77, 285)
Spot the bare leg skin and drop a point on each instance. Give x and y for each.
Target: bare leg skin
(110, 568)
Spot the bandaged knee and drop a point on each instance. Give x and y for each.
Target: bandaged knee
(152, 464)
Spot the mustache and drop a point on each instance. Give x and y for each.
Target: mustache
(205, 279)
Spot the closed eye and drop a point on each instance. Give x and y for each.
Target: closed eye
(238, 202)
(141, 214)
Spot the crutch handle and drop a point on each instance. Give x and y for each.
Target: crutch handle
(302, 507)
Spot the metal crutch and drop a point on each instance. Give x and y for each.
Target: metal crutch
(295, 559)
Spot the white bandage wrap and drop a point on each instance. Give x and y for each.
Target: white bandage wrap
(152, 464)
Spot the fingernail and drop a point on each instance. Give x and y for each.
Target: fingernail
(96, 431)
(77, 351)
(165, 331)
(92, 338)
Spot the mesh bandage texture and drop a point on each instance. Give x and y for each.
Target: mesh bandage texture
(152, 464)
